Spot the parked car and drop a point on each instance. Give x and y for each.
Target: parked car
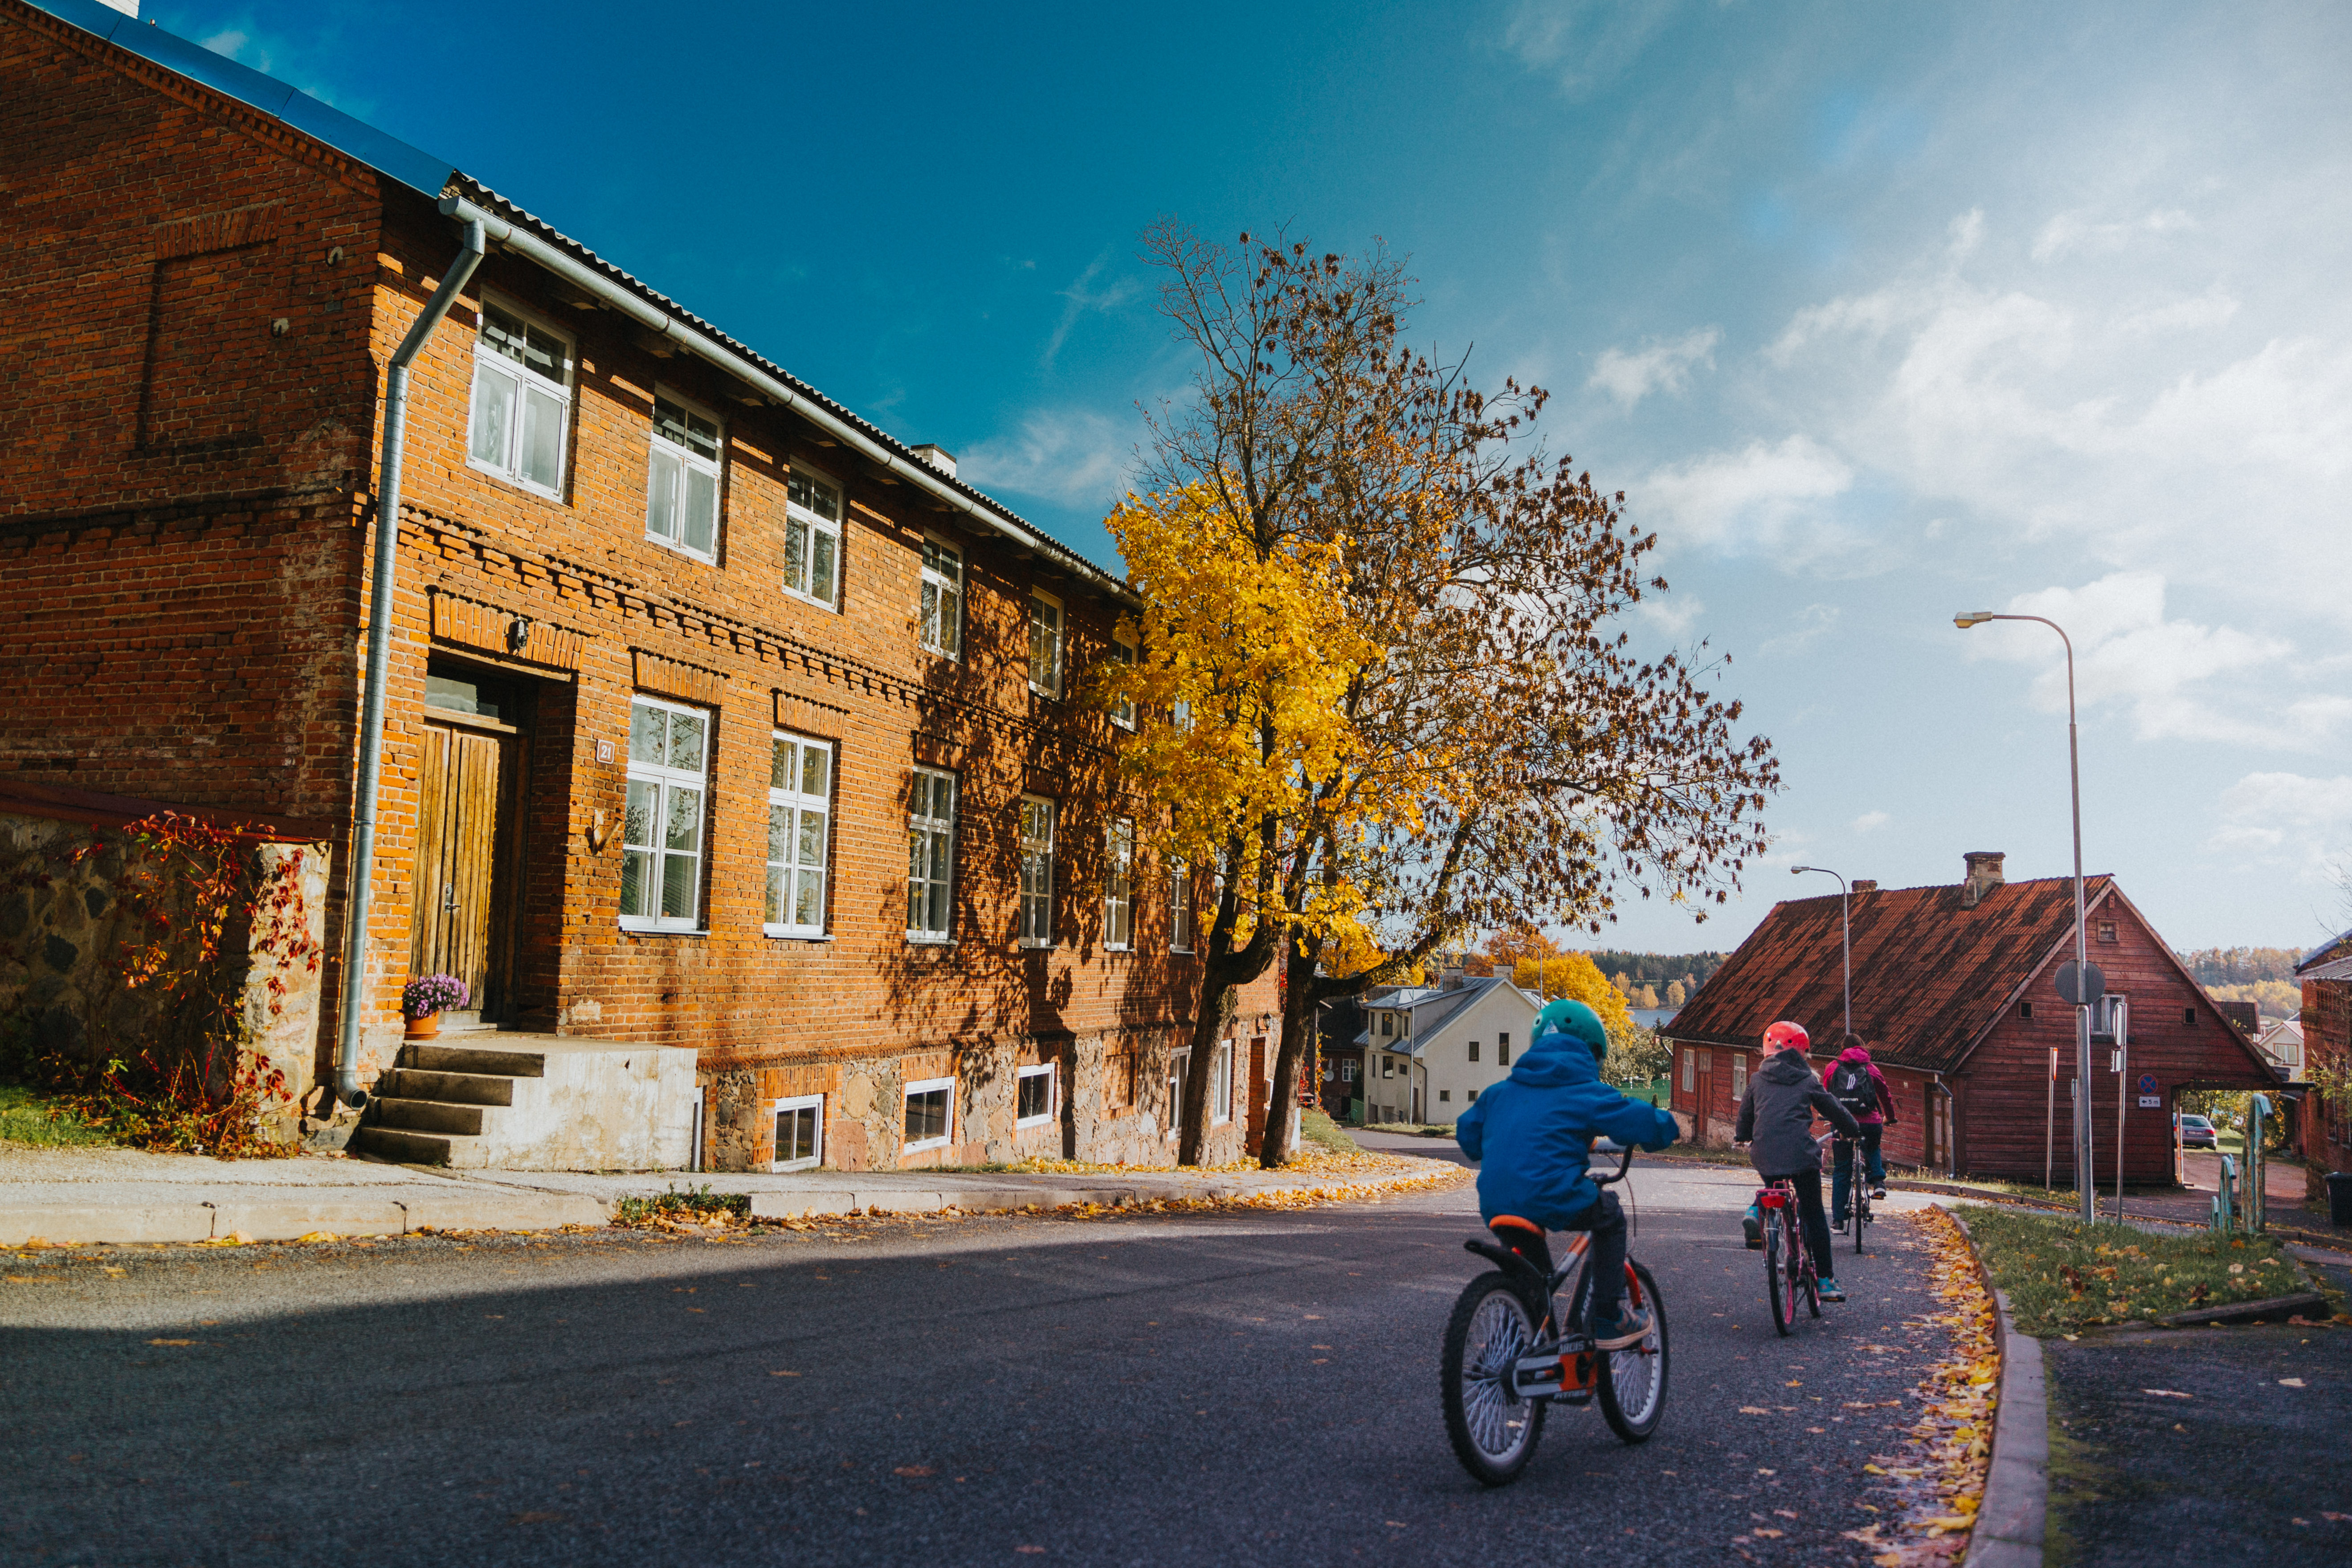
(2196, 1132)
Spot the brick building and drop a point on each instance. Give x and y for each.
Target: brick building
(718, 717)
(1955, 992)
(2323, 1129)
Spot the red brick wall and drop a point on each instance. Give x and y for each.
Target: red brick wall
(2325, 1127)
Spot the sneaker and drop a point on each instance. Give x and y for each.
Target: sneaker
(1625, 1329)
(1878, 1191)
(1838, 1224)
(1753, 1223)
(1831, 1292)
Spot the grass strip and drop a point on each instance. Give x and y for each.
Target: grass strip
(2063, 1276)
(28, 1116)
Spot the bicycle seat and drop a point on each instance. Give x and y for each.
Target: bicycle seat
(1514, 1222)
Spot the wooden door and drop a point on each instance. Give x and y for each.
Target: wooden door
(454, 927)
(1702, 1095)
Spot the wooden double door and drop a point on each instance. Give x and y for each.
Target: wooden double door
(461, 922)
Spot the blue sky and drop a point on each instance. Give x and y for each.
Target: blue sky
(1875, 312)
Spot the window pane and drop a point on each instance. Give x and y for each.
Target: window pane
(796, 557)
(661, 495)
(815, 763)
(775, 905)
(779, 832)
(812, 838)
(951, 620)
(544, 353)
(494, 399)
(821, 550)
(781, 754)
(637, 882)
(677, 886)
(931, 614)
(647, 726)
(685, 736)
(806, 491)
(683, 829)
(502, 333)
(541, 461)
(701, 510)
(808, 911)
(669, 421)
(645, 799)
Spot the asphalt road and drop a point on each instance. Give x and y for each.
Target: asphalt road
(1244, 1388)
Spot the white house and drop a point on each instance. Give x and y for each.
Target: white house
(2281, 1041)
(1429, 1050)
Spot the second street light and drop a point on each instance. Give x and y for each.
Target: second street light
(1845, 937)
(2085, 1187)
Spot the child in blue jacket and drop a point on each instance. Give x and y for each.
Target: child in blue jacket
(1534, 1131)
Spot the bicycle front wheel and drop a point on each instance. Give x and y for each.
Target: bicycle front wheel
(1493, 1430)
(1778, 1285)
(1859, 1214)
(1632, 1386)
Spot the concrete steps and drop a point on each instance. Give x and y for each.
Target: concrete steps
(533, 1102)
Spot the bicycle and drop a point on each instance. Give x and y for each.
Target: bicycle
(1857, 1209)
(1799, 1278)
(1502, 1368)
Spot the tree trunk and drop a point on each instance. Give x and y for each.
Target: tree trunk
(1298, 1000)
(1217, 983)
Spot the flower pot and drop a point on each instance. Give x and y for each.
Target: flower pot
(424, 1028)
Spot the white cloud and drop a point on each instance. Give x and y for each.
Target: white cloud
(1075, 456)
(1809, 626)
(1082, 297)
(1869, 822)
(1583, 43)
(2196, 313)
(2073, 232)
(1656, 366)
(2303, 822)
(1674, 615)
(1733, 499)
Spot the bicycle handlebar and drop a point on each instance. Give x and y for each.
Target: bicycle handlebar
(1624, 1166)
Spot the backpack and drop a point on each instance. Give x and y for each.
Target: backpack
(1853, 1087)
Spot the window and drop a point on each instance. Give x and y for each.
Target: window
(2025, 1010)
(1180, 714)
(1179, 908)
(1179, 1063)
(1388, 1024)
(929, 1113)
(1473, 1051)
(812, 537)
(523, 400)
(1346, 1072)
(1221, 1085)
(1118, 884)
(2188, 1015)
(1473, 1097)
(661, 842)
(682, 481)
(1036, 871)
(1444, 1095)
(800, 1132)
(2107, 931)
(941, 611)
(1738, 1078)
(1388, 1067)
(1690, 1072)
(1502, 1050)
(1032, 1103)
(800, 804)
(931, 854)
(1122, 712)
(1044, 644)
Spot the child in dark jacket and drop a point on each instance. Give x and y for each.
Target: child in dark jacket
(1856, 1082)
(1534, 1132)
(1776, 1119)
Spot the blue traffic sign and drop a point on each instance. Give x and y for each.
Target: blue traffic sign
(2148, 1083)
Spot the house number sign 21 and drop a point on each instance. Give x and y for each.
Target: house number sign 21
(603, 750)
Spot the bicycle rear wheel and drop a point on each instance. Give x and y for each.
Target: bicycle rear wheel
(1632, 1384)
(1493, 1430)
(1858, 1212)
(1810, 1278)
(1784, 1299)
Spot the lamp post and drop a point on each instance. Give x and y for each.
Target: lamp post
(2085, 1184)
(1846, 938)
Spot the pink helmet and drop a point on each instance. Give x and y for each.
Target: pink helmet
(1785, 1035)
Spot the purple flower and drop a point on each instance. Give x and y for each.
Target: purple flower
(429, 994)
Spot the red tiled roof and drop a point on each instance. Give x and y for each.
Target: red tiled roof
(1929, 977)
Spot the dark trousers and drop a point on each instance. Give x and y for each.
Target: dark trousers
(1604, 1260)
(1816, 1225)
(1841, 1167)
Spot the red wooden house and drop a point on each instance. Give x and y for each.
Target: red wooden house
(1955, 992)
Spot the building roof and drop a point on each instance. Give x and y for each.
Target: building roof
(2334, 969)
(1433, 1007)
(397, 161)
(1931, 977)
(2336, 947)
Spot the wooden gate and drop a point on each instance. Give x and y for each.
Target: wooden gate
(456, 924)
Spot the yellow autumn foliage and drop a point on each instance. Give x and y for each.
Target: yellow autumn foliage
(1577, 977)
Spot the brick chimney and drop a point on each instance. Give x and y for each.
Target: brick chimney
(1865, 884)
(1984, 876)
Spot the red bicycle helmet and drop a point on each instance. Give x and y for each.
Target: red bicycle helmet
(1785, 1035)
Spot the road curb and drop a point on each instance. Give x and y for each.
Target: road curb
(2013, 1517)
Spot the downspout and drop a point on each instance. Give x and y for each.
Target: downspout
(359, 874)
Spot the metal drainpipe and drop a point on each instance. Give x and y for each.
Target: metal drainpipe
(359, 877)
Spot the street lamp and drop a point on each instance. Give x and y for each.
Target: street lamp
(2083, 1178)
(1846, 938)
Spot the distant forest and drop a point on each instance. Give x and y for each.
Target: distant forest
(1658, 968)
(2224, 965)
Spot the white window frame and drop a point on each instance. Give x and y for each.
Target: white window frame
(524, 380)
(923, 834)
(1180, 907)
(1690, 1071)
(686, 462)
(795, 799)
(938, 606)
(1057, 646)
(1739, 1076)
(664, 779)
(1035, 928)
(1348, 1072)
(1221, 1085)
(803, 1102)
(1118, 885)
(1122, 712)
(1179, 1063)
(947, 1122)
(1053, 1096)
(811, 526)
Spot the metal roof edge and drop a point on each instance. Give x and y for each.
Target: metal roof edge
(386, 154)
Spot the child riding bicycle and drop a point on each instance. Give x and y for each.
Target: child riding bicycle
(1776, 1120)
(1856, 1082)
(1534, 1132)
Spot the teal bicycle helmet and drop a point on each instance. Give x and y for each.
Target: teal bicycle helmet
(1575, 1020)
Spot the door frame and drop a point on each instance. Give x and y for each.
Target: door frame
(496, 1003)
